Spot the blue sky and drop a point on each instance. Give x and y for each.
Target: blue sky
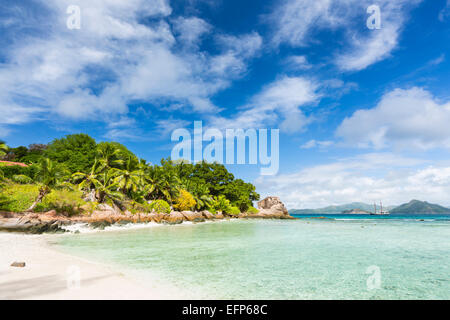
(363, 114)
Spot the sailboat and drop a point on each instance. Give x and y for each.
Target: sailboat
(381, 212)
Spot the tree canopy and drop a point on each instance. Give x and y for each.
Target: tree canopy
(109, 172)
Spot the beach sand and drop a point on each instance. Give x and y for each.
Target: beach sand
(50, 274)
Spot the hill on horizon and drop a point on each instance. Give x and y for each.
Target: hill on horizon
(420, 207)
(339, 208)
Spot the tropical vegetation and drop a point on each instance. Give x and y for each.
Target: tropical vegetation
(75, 171)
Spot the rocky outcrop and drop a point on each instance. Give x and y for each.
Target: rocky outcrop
(193, 216)
(32, 223)
(207, 215)
(104, 216)
(271, 208)
(174, 217)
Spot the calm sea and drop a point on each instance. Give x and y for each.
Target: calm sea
(314, 257)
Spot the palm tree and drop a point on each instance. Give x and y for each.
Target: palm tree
(165, 184)
(87, 182)
(129, 179)
(108, 156)
(3, 149)
(200, 192)
(107, 189)
(50, 175)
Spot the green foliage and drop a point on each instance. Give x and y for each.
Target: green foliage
(185, 201)
(10, 171)
(109, 173)
(160, 206)
(77, 152)
(3, 149)
(135, 207)
(233, 211)
(252, 210)
(220, 204)
(50, 173)
(22, 179)
(17, 197)
(62, 201)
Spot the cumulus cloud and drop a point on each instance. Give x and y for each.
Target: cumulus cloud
(360, 179)
(116, 58)
(278, 103)
(403, 119)
(316, 144)
(190, 30)
(445, 12)
(297, 21)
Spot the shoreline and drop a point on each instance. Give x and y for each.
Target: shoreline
(52, 274)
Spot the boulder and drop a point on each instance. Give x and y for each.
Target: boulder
(193, 216)
(272, 208)
(207, 215)
(18, 264)
(173, 218)
(219, 215)
(156, 217)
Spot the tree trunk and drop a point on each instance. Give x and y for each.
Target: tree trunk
(91, 196)
(43, 191)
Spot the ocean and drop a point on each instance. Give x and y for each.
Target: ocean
(314, 257)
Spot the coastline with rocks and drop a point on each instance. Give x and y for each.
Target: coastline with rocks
(105, 216)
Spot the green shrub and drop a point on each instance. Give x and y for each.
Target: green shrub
(22, 179)
(233, 211)
(221, 204)
(252, 210)
(62, 201)
(17, 197)
(160, 206)
(10, 171)
(135, 207)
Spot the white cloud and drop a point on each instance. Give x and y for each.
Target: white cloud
(299, 63)
(297, 21)
(115, 59)
(445, 12)
(314, 144)
(278, 102)
(363, 178)
(190, 30)
(403, 119)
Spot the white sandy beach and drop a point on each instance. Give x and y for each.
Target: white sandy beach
(49, 274)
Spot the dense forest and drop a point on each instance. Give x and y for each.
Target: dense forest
(76, 172)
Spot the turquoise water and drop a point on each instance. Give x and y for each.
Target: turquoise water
(275, 259)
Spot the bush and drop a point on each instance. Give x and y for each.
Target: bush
(22, 179)
(135, 207)
(160, 206)
(221, 204)
(252, 210)
(233, 211)
(185, 201)
(17, 197)
(10, 171)
(62, 201)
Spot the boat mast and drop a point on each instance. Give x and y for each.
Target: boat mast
(381, 207)
(375, 205)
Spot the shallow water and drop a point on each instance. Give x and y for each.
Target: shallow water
(276, 259)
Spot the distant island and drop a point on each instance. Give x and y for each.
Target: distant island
(412, 207)
(340, 209)
(420, 207)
